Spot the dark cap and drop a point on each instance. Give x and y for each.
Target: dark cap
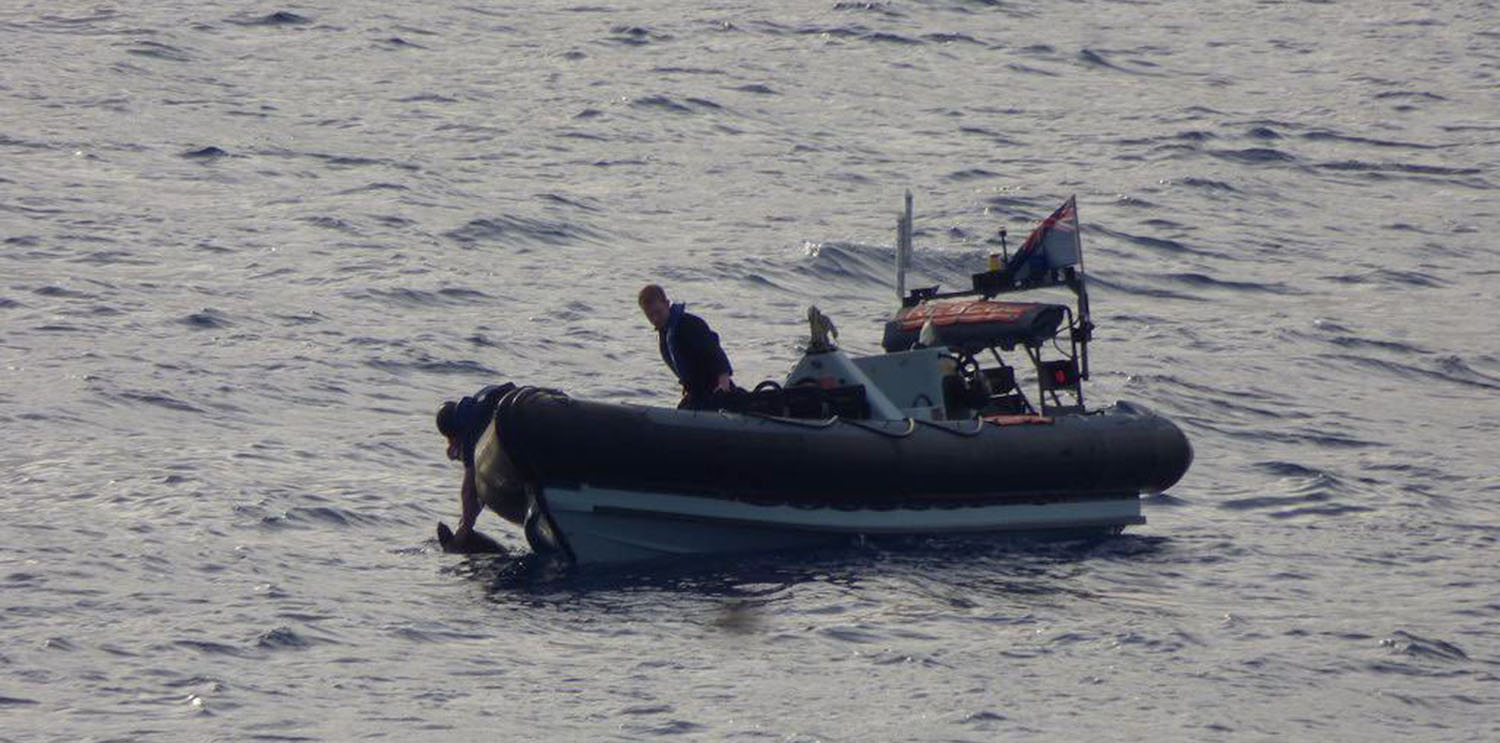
(447, 419)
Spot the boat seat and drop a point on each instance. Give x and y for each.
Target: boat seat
(805, 401)
(765, 400)
(848, 401)
(811, 401)
(1000, 379)
(1013, 404)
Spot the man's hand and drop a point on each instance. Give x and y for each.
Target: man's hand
(726, 383)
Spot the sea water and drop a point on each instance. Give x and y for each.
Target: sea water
(246, 249)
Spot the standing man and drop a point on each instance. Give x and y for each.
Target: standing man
(690, 348)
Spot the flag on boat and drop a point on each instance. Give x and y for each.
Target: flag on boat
(1052, 245)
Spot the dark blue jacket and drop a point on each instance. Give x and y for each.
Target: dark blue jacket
(693, 352)
(474, 414)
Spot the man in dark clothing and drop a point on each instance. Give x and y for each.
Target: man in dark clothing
(462, 423)
(691, 350)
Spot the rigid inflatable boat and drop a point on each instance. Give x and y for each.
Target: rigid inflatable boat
(938, 435)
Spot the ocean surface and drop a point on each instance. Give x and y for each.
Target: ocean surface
(246, 249)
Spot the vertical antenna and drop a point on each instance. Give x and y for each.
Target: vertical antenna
(903, 248)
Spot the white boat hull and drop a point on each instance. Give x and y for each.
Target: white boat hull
(599, 525)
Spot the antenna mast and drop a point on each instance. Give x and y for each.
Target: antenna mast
(903, 248)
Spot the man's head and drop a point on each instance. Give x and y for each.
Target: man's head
(653, 300)
(447, 425)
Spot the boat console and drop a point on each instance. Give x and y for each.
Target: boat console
(942, 357)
